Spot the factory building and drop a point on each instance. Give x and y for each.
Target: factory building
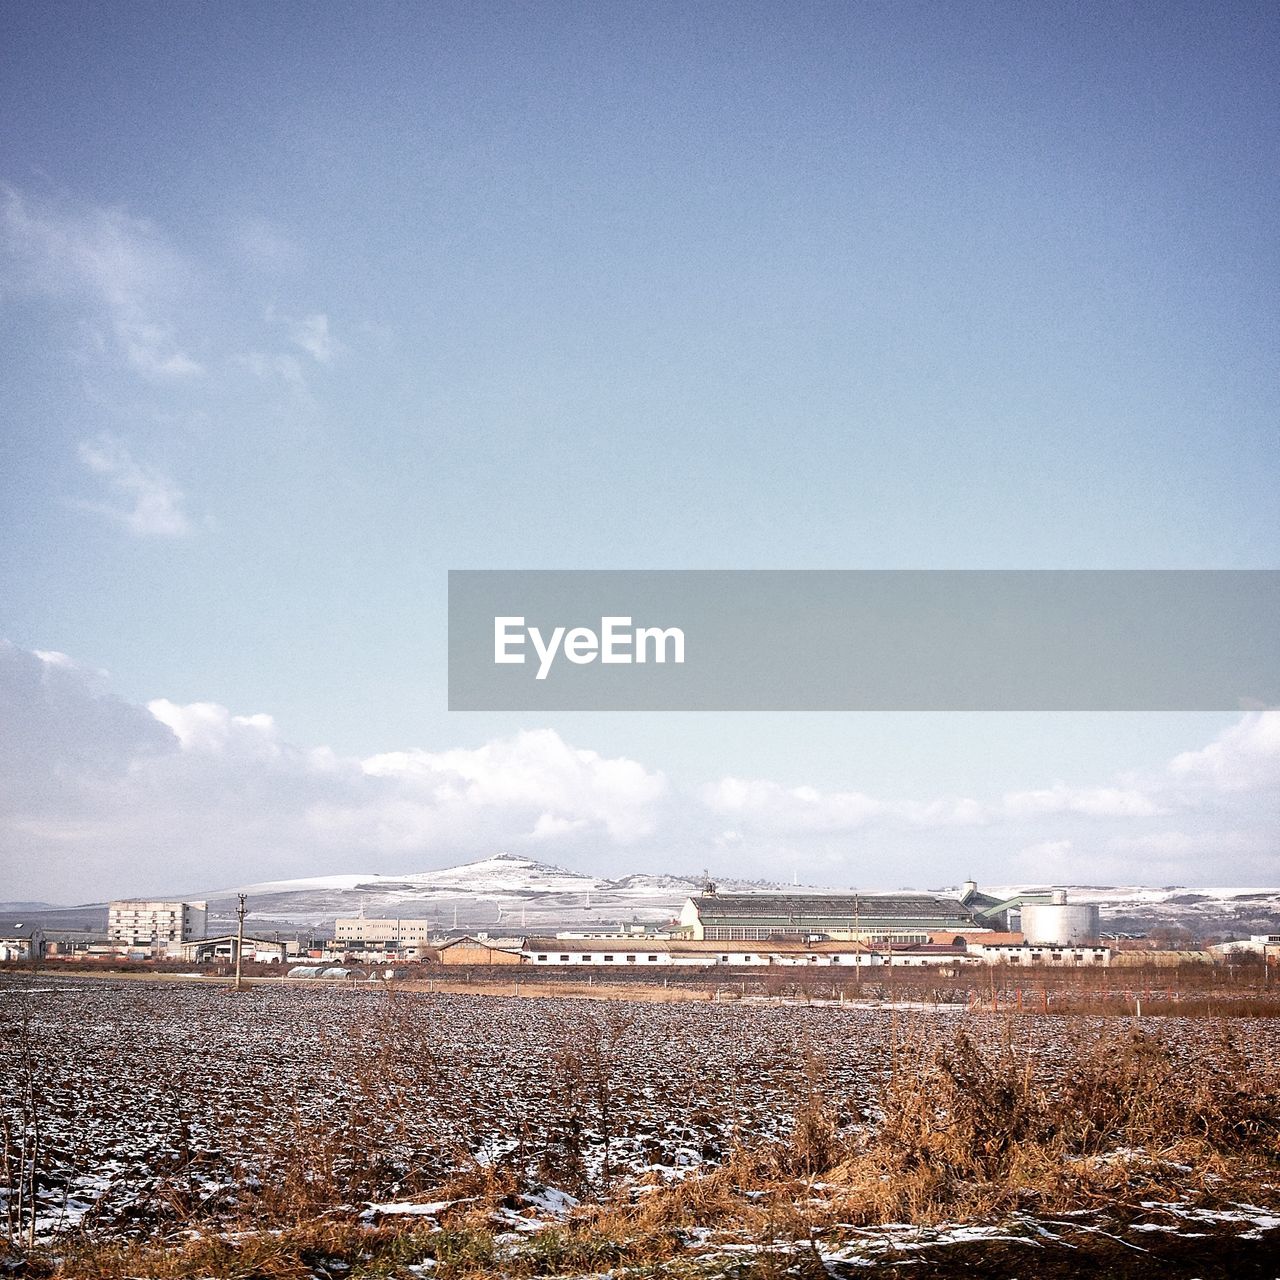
(472, 950)
(388, 938)
(139, 922)
(212, 950)
(902, 919)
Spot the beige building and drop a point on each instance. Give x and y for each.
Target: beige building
(143, 922)
(356, 933)
(481, 951)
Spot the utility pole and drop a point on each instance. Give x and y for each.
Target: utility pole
(241, 911)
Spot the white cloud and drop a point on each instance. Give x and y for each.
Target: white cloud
(312, 335)
(210, 728)
(1093, 802)
(949, 812)
(537, 775)
(120, 271)
(1046, 861)
(1244, 757)
(309, 334)
(766, 806)
(152, 503)
(280, 367)
(265, 246)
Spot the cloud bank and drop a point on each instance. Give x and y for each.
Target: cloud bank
(100, 796)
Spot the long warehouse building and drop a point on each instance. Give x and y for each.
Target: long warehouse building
(856, 917)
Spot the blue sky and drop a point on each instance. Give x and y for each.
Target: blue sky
(303, 305)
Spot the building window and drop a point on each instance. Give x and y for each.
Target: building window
(607, 959)
(631, 959)
(563, 959)
(542, 957)
(652, 959)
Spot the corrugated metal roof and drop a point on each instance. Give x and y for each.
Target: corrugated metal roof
(847, 907)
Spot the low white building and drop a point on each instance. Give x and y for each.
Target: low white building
(20, 946)
(657, 953)
(1265, 945)
(1030, 953)
(146, 922)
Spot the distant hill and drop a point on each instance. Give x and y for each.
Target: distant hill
(506, 891)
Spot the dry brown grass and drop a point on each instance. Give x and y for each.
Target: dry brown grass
(960, 1132)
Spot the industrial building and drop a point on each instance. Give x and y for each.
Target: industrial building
(1262, 946)
(138, 922)
(469, 950)
(208, 950)
(390, 939)
(902, 919)
(1039, 953)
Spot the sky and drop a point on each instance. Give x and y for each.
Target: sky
(302, 306)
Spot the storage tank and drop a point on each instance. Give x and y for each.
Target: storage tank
(1059, 923)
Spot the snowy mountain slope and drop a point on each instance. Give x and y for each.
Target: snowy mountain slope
(506, 890)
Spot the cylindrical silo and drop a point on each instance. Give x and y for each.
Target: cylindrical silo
(1059, 923)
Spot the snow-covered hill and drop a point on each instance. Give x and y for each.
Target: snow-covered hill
(506, 891)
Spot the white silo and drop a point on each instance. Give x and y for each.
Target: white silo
(1059, 923)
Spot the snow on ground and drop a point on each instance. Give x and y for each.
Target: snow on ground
(165, 1104)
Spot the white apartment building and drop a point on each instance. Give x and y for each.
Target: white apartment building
(137, 922)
